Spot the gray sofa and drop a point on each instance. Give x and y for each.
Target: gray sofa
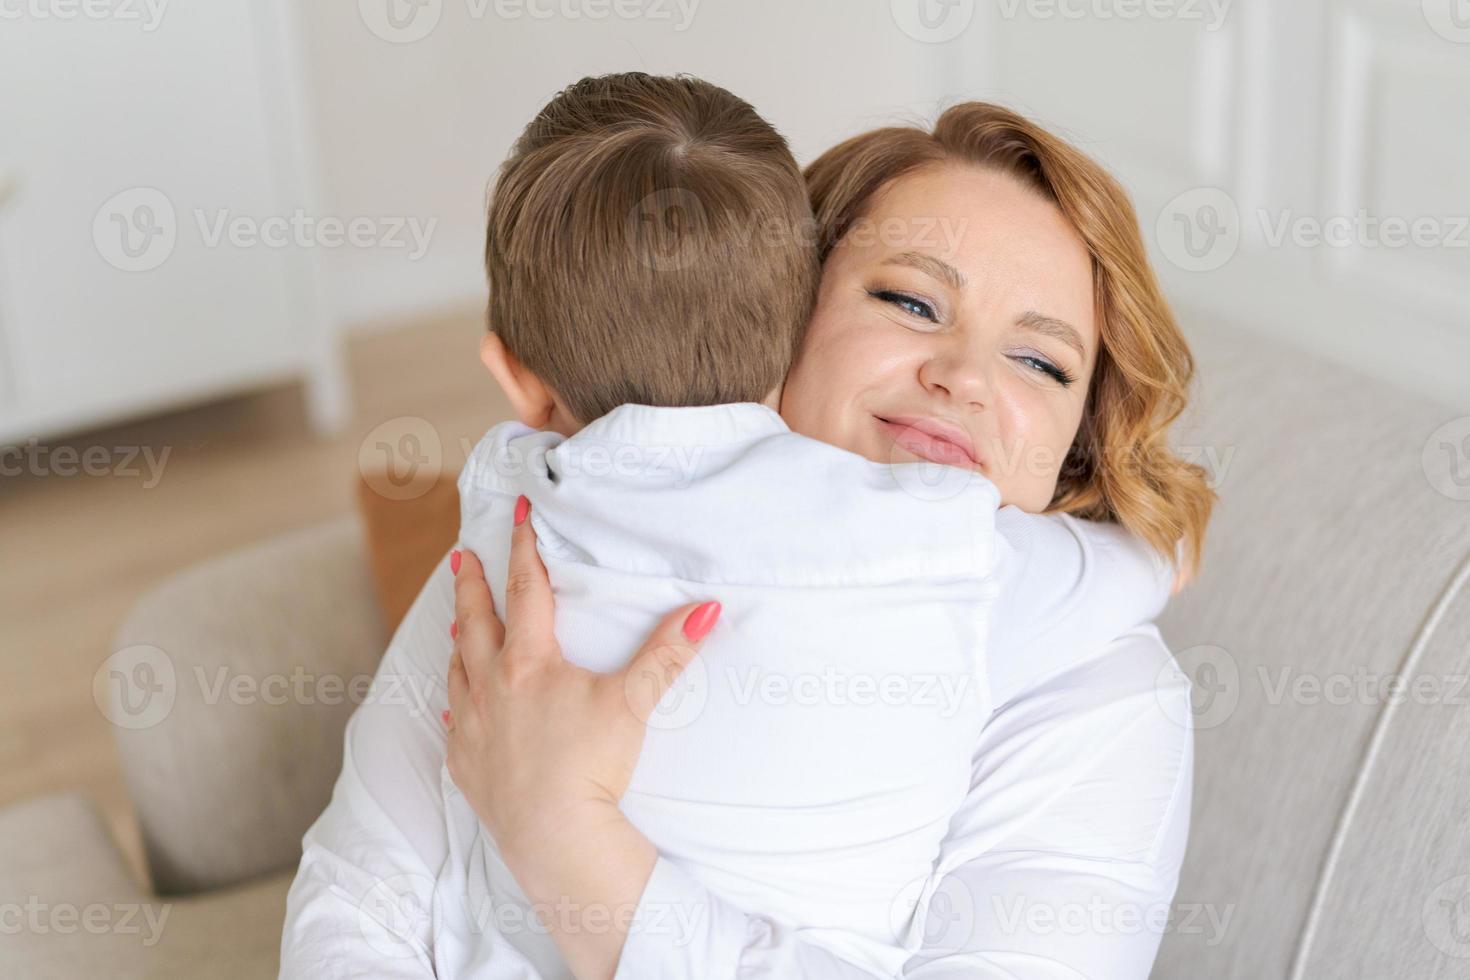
(1328, 810)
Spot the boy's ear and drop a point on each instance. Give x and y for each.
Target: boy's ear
(529, 396)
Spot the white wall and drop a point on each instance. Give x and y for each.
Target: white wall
(1224, 118)
(418, 128)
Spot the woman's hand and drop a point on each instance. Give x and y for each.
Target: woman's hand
(543, 749)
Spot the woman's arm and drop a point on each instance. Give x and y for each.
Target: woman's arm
(543, 750)
(1061, 864)
(360, 903)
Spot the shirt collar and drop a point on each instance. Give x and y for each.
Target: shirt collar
(701, 424)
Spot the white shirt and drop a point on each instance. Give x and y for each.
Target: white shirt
(807, 763)
(396, 878)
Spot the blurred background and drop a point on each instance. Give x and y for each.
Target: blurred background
(241, 241)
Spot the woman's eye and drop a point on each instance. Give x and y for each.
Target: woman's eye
(907, 303)
(1043, 366)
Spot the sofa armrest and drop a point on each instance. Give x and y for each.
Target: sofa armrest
(229, 689)
(74, 910)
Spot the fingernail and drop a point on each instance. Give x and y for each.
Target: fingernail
(701, 621)
(445, 716)
(454, 561)
(453, 628)
(523, 507)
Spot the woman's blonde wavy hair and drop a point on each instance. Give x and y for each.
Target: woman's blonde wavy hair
(1120, 467)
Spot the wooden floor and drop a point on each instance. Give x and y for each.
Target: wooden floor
(76, 551)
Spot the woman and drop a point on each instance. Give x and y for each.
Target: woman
(987, 273)
(1040, 327)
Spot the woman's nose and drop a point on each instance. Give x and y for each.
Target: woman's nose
(960, 373)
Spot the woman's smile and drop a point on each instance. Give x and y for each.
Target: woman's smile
(932, 439)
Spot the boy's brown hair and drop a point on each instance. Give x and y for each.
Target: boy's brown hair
(650, 242)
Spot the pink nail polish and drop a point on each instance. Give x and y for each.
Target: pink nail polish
(701, 621)
(445, 716)
(453, 628)
(454, 561)
(523, 507)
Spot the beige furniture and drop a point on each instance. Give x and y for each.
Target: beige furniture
(1327, 826)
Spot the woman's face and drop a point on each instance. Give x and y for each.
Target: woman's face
(955, 323)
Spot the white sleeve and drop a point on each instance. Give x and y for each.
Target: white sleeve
(1061, 863)
(1067, 587)
(361, 901)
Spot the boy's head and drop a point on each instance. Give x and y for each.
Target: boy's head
(649, 242)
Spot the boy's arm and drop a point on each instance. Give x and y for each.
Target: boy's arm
(361, 901)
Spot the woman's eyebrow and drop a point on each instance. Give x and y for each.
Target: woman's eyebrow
(938, 268)
(1052, 327)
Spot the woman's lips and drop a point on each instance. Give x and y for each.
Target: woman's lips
(931, 439)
